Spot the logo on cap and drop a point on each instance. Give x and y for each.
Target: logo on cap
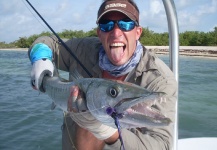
(115, 5)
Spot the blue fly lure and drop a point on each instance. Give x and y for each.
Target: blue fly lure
(112, 112)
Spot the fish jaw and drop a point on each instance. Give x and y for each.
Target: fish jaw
(130, 102)
(141, 112)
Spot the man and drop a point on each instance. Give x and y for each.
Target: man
(116, 54)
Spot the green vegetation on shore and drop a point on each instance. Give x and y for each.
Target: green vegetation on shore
(149, 37)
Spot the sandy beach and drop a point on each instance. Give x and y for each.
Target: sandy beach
(14, 49)
(197, 51)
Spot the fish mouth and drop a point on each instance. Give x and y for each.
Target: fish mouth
(145, 110)
(142, 110)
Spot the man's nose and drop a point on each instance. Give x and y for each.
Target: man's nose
(117, 31)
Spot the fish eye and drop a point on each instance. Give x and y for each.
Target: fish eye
(113, 92)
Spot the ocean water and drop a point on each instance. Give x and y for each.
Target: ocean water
(26, 121)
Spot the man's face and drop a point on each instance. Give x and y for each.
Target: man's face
(119, 45)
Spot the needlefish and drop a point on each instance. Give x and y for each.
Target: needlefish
(104, 98)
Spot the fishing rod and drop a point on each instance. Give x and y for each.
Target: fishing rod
(61, 41)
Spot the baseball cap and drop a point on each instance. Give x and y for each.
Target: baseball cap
(118, 5)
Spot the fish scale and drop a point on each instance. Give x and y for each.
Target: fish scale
(101, 94)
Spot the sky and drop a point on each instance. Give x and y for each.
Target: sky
(17, 19)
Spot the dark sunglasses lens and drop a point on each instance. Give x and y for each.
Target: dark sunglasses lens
(106, 26)
(126, 25)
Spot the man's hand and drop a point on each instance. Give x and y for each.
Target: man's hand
(88, 121)
(84, 118)
(41, 58)
(40, 68)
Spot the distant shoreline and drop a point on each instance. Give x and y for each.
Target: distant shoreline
(13, 49)
(197, 51)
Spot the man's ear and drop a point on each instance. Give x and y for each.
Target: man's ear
(138, 32)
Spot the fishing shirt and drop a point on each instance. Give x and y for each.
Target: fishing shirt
(151, 73)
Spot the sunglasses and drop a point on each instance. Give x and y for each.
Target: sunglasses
(124, 25)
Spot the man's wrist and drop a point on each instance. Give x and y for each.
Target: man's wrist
(40, 51)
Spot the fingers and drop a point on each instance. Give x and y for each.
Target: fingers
(72, 106)
(32, 82)
(81, 104)
(35, 81)
(76, 102)
(40, 68)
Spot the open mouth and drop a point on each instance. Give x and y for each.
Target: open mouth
(117, 45)
(146, 109)
(120, 46)
(117, 51)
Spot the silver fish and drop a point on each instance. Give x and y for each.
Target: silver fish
(104, 98)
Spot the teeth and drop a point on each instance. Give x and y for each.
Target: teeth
(163, 100)
(117, 44)
(155, 101)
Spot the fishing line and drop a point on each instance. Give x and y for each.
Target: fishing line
(61, 41)
(112, 112)
(114, 116)
(67, 128)
(35, 17)
(119, 131)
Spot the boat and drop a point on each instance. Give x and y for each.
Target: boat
(196, 143)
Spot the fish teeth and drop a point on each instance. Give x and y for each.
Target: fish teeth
(155, 101)
(163, 100)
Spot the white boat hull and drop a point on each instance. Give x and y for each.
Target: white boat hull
(203, 143)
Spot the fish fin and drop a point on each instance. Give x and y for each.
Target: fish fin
(75, 75)
(55, 73)
(53, 106)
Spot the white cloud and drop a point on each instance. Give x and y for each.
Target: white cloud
(64, 5)
(183, 3)
(197, 16)
(17, 20)
(207, 8)
(155, 7)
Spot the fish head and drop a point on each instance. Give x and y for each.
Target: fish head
(130, 103)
